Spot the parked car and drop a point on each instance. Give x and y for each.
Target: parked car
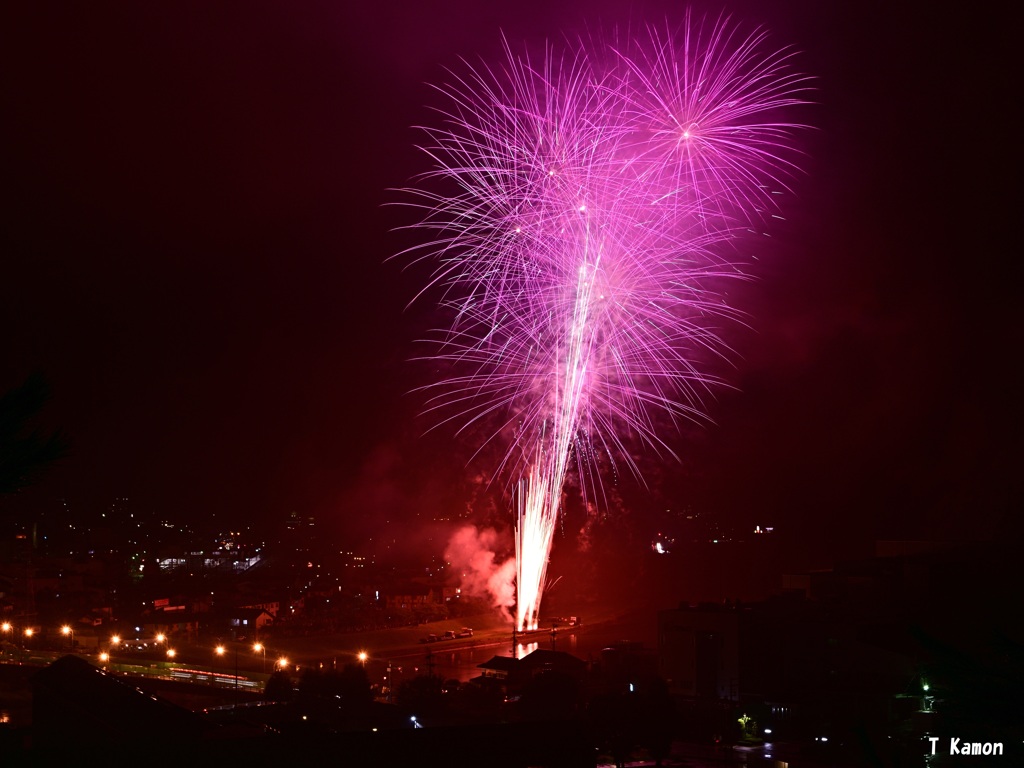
(465, 632)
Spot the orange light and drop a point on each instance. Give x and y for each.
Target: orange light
(29, 632)
(115, 640)
(282, 662)
(6, 626)
(65, 630)
(161, 637)
(257, 647)
(171, 653)
(104, 657)
(220, 650)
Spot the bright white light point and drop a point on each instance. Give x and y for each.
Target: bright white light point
(583, 209)
(551, 173)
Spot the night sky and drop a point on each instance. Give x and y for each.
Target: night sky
(194, 240)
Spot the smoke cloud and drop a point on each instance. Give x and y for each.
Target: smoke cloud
(473, 554)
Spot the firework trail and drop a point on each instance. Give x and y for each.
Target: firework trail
(580, 212)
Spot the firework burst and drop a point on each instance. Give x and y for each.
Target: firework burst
(580, 212)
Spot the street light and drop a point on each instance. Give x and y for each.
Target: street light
(67, 631)
(258, 648)
(171, 653)
(8, 629)
(221, 650)
(363, 656)
(282, 663)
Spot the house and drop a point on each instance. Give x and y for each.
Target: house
(410, 596)
(512, 674)
(542, 661)
(171, 623)
(272, 607)
(499, 667)
(248, 622)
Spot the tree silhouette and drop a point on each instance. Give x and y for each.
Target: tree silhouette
(422, 693)
(279, 687)
(551, 694)
(350, 685)
(657, 718)
(353, 684)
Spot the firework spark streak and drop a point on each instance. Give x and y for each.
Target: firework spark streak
(581, 211)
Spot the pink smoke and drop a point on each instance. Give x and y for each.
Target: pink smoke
(472, 553)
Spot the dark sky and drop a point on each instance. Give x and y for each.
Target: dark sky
(194, 243)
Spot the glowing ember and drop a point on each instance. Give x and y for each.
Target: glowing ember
(580, 247)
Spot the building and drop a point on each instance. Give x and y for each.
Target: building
(698, 649)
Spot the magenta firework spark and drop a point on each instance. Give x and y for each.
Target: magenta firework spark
(580, 207)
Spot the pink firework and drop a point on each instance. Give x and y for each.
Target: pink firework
(580, 209)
